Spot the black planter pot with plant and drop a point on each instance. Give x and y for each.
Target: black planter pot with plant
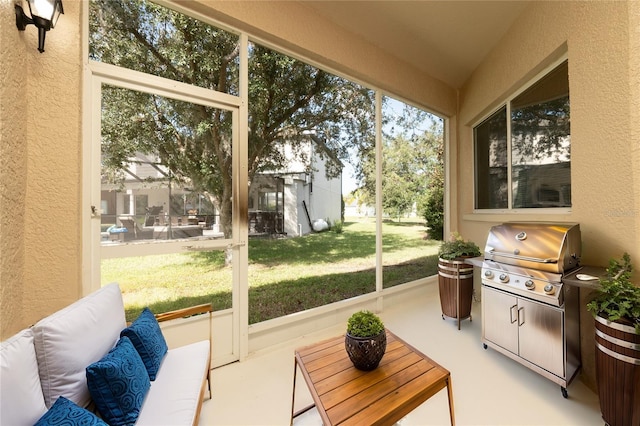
(455, 277)
(366, 340)
(616, 309)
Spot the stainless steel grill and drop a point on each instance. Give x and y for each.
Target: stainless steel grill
(555, 248)
(530, 259)
(528, 313)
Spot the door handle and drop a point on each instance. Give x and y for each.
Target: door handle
(520, 316)
(514, 318)
(235, 245)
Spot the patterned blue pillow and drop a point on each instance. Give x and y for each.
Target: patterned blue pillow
(66, 413)
(118, 384)
(146, 336)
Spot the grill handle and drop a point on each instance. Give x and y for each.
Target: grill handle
(514, 318)
(526, 258)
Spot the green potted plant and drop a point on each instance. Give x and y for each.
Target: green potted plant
(365, 340)
(457, 248)
(616, 309)
(617, 298)
(455, 277)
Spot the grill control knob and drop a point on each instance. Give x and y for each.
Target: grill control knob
(504, 278)
(549, 289)
(488, 274)
(529, 284)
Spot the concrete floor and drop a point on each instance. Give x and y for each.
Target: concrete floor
(488, 388)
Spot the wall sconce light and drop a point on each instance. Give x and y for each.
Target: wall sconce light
(44, 15)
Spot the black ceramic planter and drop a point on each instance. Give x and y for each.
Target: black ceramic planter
(366, 352)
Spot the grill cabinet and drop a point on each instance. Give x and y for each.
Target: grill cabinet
(527, 313)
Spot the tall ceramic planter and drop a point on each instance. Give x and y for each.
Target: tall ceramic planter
(455, 284)
(618, 372)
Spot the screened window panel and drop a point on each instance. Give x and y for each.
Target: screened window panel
(310, 133)
(412, 191)
(146, 37)
(165, 169)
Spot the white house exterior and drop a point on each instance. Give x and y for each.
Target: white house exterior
(302, 193)
(284, 202)
(147, 188)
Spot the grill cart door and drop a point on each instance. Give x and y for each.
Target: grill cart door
(541, 335)
(500, 318)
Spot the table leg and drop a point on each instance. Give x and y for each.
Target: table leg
(450, 392)
(293, 396)
(294, 413)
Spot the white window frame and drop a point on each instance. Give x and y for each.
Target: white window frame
(102, 73)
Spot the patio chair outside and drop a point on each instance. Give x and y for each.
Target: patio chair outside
(152, 215)
(134, 231)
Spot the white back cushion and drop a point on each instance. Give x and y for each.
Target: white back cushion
(69, 340)
(21, 400)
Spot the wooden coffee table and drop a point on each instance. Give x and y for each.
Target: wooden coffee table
(345, 395)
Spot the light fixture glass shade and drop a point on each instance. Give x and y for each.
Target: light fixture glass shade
(47, 10)
(44, 15)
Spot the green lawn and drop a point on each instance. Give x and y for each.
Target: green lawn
(285, 275)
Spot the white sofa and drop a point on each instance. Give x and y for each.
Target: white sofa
(48, 360)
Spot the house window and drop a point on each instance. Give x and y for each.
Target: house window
(142, 202)
(526, 162)
(269, 201)
(491, 162)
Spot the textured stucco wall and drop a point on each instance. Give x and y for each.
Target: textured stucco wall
(603, 80)
(41, 185)
(633, 74)
(13, 172)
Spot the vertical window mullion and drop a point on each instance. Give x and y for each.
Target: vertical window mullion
(378, 151)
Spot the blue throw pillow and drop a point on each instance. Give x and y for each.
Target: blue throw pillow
(66, 413)
(146, 336)
(118, 384)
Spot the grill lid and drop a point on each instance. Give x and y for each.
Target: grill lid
(551, 247)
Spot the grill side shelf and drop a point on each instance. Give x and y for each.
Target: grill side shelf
(595, 271)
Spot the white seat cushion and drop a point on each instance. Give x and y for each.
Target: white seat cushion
(175, 394)
(69, 340)
(21, 399)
